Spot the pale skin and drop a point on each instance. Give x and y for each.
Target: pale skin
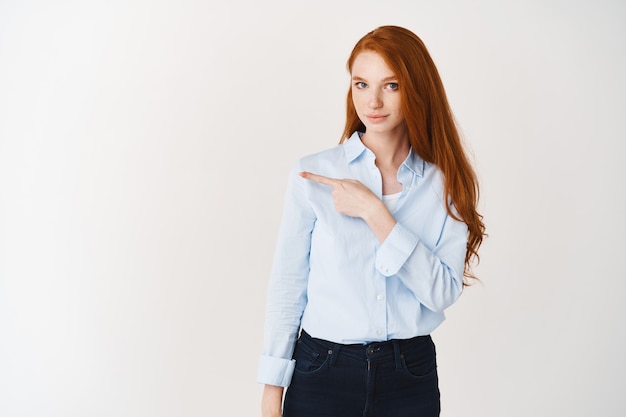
(377, 102)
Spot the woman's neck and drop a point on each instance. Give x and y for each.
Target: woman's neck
(390, 152)
(390, 149)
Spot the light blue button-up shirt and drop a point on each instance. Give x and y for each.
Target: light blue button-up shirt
(331, 275)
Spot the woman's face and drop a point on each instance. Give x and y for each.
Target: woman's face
(375, 94)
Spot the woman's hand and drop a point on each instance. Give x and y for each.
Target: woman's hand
(354, 199)
(272, 401)
(351, 197)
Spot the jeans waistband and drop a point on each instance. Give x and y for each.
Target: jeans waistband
(386, 350)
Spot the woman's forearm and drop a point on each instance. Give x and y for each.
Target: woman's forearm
(272, 401)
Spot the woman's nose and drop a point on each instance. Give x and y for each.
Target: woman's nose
(375, 101)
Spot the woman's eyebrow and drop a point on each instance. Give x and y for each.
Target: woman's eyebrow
(390, 78)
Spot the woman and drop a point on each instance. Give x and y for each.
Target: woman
(377, 236)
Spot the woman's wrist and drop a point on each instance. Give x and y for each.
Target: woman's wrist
(379, 220)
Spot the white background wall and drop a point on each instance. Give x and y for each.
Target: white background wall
(144, 148)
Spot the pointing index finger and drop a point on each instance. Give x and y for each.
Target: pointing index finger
(319, 178)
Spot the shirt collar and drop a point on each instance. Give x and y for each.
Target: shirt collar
(415, 163)
(354, 148)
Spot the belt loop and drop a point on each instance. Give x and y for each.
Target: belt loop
(334, 353)
(397, 354)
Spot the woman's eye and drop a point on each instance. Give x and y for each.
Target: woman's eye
(360, 84)
(392, 86)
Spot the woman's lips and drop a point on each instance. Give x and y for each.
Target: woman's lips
(376, 118)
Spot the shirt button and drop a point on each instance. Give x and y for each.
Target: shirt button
(380, 297)
(379, 332)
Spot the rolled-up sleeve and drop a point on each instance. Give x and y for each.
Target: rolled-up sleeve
(287, 292)
(275, 371)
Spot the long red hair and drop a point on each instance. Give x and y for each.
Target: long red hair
(430, 123)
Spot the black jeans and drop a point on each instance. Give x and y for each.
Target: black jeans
(397, 378)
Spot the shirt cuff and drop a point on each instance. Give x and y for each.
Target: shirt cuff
(395, 250)
(275, 371)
